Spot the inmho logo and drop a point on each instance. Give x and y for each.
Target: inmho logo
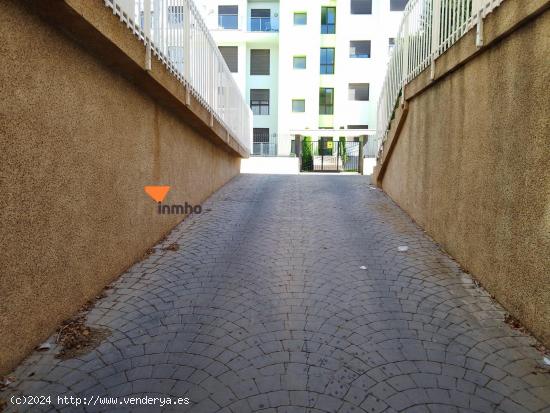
(159, 192)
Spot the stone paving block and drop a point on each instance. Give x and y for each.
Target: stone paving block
(278, 398)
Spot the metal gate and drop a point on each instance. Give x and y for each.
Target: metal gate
(329, 156)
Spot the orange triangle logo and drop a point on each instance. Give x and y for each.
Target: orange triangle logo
(158, 193)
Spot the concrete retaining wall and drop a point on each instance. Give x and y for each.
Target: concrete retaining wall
(78, 142)
(471, 162)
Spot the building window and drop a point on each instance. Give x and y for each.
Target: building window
(359, 49)
(298, 105)
(299, 62)
(361, 6)
(259, 62)
(391, 44)
(228, 17)
(259, 101)
(358, 126)
(260, 20)
(398, 5)
(359, 91)
(175, 15)
(175, 55)
(328, 20)
(231, 56)
(260, 142)
(326, 101)
(300, 18)
(327, 60)
(260, 135)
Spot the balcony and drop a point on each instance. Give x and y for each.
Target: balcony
(264, 24)
(264, 149)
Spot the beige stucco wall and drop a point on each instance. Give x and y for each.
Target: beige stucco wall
(78, 143)
(472, 167)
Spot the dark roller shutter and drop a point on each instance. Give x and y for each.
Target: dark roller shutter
(261, 135)
(260, 13)
(361, 6)
(259, 62)
(228, 9)
(359, 48)
(259, 94)
(398, 5)
(231, 56)
(359, 91)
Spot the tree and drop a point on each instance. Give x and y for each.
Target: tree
(307, 154)
(342, 151)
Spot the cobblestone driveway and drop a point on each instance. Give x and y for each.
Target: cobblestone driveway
(265, 308)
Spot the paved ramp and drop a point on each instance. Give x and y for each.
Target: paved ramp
(295, 294)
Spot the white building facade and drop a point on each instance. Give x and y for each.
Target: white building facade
(307, 67)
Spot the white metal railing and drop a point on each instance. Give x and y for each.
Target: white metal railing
(263, 24)
(428, 28)
(264, 149)
(370, 148)
(174, 32)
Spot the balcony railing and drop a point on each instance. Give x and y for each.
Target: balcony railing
(264, 149)
(428, 28)
(174, 32)
(370, 149)
(228, 21)
(263, 24)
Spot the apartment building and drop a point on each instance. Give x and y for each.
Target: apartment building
(307, 67)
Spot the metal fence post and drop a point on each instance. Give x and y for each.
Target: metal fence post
(436, 32)
(187, 49)
(147, 31)
(212, 82)
(297, 145)
(298, 150)
(477, 12)
(405, 73)
(361, 153)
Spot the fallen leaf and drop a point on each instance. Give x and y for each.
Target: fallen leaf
(44, 347)
(172, 247)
